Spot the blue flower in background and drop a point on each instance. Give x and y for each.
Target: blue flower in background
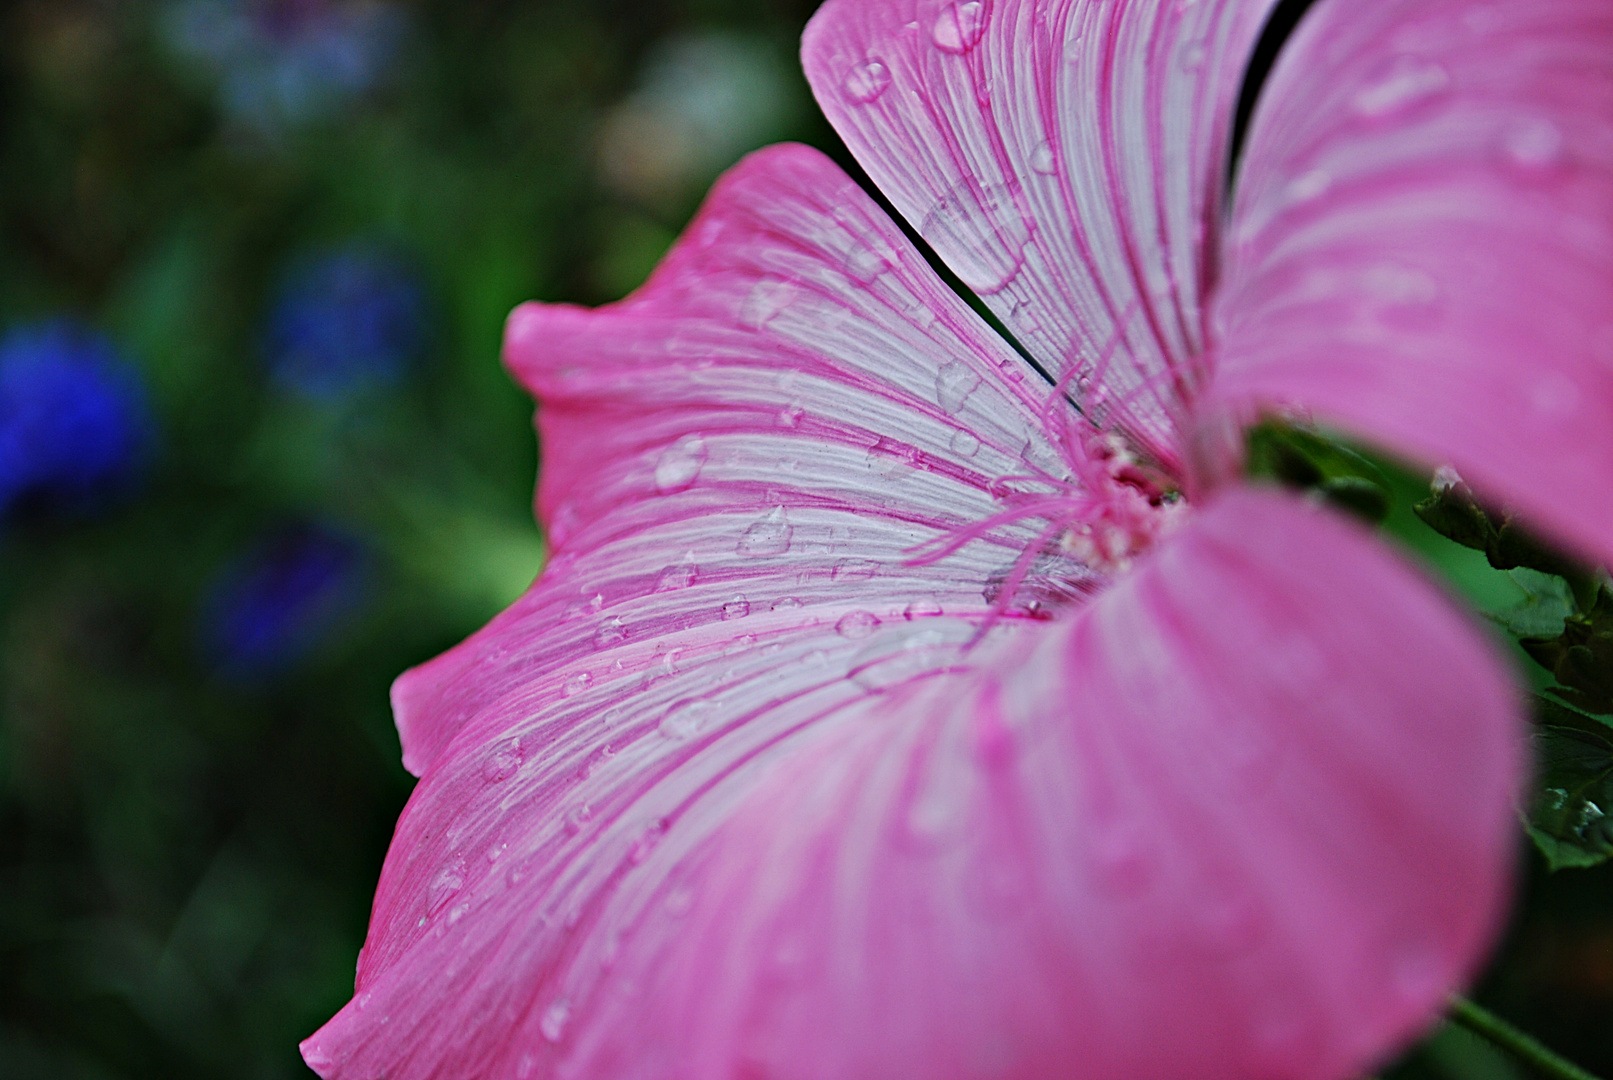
(352, 318)
(281, 600)
(283, 63)
(74, 420)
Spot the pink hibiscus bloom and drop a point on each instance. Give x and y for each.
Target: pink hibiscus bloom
(879, 715)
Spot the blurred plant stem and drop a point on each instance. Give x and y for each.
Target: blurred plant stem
(1490, 1027)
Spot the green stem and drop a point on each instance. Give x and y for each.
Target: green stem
(1487, 1025)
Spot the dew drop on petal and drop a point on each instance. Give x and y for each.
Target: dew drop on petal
(867, 80)
(891, 460)
(736, 608)
(987, 262)
(857, 624)
(847, 570)
(677, 576)
(445, 886)
(651, 836)
(504, 762)
(787, 603)
(555, 1018)
(526, 1067)
(959, 26)
(1408, 81)
(578, 817)
(767, 535)
(1308, 185)
(766, 299)
(679, 464)
(964, 444)
(1043, 159)
(611, 632)
(954, 382)
(922, 609)
(577, 684)
(687, 719)
(1534, 145)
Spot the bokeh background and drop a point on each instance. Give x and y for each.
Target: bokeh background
(257, 456)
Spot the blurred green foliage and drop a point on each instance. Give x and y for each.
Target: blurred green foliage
(187, 859)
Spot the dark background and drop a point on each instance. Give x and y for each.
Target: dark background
(198, 772)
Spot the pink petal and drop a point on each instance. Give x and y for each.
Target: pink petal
(1066, 160)
(1246, 814)
(790, 403)
(1422, 244)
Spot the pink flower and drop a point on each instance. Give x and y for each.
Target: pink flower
(877, 716)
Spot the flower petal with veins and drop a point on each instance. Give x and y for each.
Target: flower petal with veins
(834, 831)
(1422, 245)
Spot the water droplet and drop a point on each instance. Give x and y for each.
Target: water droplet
(680, 901)
(866, 254)
(790, 416)
(736, 608)
(953, 384)
(504, 762)
(891, 460)
(555, 1018)
(1193, 57)
(857, 624)
(653, 832)
(1408, 81)
(577, 817)
(677, 576)
(765, 300)
(1308, 185)
(1043, 160)
(923, 648)
(867, 80)
(317, 1059)
(922, 609)
(847, 570)
(679, 465)
(1400, 285)
(767, 535)
(743, 643)
(457, 912)
(959, 27)
(526, 1067)
(686, 719)
(496, 852)
(577, 684)
(1534, 145)
(964, 444)
(445, 886)
(611, 632)
(985, 259)
(787, 603)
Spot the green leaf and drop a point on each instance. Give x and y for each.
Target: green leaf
(1569, 820)
(1548, 602)
(1308, 459)
(1455, 514)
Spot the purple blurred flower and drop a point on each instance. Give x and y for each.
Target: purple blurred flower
(281, 600)
(282, 63)
(74, 419)
(350, 318)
